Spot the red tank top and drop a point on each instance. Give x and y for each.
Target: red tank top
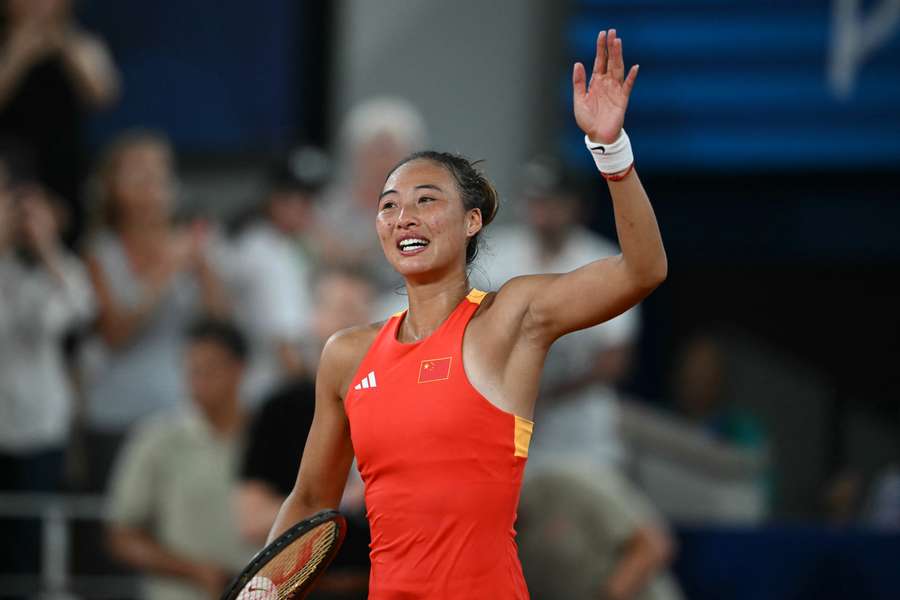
(442, 467)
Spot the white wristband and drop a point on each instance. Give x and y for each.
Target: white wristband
(611, 158)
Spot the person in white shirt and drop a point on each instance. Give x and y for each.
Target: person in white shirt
(150, 275)
(375, 135)
(274, 256)
(44, 293)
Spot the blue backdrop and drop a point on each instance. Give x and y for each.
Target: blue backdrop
(750, 84)
(216, 76)
(788, 563)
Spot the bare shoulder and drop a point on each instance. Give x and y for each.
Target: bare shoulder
(343, 353)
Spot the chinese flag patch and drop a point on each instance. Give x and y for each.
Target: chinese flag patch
(434, 369)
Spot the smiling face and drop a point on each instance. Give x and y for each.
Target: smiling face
(422, 223)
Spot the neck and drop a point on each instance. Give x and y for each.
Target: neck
(430, 304)
(226, 418)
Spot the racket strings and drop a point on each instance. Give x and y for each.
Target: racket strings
(300, 561)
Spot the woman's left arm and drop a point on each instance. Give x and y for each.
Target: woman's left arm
(605, 288)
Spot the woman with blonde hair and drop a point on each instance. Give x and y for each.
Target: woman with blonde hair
(150, 276)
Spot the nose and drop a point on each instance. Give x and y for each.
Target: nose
(408, 217)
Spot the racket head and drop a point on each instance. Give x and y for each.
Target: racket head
(288, 568)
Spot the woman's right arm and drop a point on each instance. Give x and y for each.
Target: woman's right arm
(328, 453)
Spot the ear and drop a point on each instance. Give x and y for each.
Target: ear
(473, 222)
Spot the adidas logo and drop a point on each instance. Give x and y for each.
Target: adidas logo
(367, 382)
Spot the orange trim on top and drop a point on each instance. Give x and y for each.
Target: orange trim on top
(476, 296)
(523, 431)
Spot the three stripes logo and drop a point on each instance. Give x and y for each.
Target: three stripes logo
(367, 382)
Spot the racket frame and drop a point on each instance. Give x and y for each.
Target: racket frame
(264, 556)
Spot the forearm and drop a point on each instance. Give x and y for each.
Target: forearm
(296, 507)
(642, 248)
(91, 70)
(646, 553)
(139, 550)
(212, 291)
(117, 326)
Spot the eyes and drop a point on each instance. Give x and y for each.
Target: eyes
(388, 204)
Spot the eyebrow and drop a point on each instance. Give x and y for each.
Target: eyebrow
(424, 186)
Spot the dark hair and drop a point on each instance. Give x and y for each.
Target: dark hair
(305, 169)
(224, 333)
(474, 188)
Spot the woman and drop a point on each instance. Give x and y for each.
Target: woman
(435, 403)
(52, 74)
(150, 276)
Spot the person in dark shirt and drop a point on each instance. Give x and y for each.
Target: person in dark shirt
(51, 73)
(275, 443)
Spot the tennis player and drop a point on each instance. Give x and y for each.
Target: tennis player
(435, 402)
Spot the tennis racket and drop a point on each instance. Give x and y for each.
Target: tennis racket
(289, 567)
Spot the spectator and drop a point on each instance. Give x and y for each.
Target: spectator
(51, 71)
(577, 410)
(278, 434)
(272, 269)
(590, 534)
(44, 292)
(701, 395)
(170, 514)
(150, 277)
(375, 136)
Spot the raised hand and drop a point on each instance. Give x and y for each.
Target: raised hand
(39, 223)
(600, 106)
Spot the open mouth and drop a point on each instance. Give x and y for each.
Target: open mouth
(412, 245)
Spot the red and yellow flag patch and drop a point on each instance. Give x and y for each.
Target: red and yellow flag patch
(434, 369)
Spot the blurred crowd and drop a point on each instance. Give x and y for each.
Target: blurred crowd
(169, 363)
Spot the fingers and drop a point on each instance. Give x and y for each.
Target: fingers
(629, 81)
(616, 62)
(578, 80)
(602, 56)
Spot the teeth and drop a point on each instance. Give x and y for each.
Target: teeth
(409, 243)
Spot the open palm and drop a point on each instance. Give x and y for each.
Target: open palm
(600, 106)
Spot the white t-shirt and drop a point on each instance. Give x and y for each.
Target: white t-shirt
(271, 286)
(35, 311)
(126, 383)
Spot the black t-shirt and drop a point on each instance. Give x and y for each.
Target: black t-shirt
(275, 444)
(43, 117)
(278, 434)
